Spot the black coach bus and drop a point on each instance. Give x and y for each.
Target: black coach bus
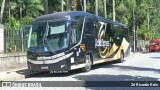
(70, 40)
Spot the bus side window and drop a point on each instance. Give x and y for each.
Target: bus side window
(126, 33)
(118, 32)
(76, 29)
(109, 30)
(74, 34)
(89, 27)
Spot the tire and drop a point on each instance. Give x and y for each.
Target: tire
(121, 59)
(31, 70)
(88, 64)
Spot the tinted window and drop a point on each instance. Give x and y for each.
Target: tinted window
(76, 29)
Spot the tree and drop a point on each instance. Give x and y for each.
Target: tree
(62, 6)
(68, 5)
(2, 10)
(105, 10)
(113, 1)
(74, 5)
(46, 6)
(55, 5)
(84, 4)
(96, 9)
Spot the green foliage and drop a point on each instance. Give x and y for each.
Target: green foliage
(26, 20)
(54, 6)
(90, 6)
(21, 12)
(16, 24)
(157, 36)
(12, 41)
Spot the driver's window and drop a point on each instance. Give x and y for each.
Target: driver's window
(74, 33)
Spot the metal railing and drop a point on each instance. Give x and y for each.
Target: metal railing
(13, 42)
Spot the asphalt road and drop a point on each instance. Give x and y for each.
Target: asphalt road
(137, 67)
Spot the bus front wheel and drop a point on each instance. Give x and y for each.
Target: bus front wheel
(88, 64)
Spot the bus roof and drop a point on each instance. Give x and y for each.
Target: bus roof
(74, 13)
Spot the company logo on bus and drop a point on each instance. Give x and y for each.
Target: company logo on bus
(51, 57)
(101, 43)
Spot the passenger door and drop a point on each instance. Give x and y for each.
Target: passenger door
(89, 34)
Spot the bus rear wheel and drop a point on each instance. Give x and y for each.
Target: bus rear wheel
(88, 64)
(121, 59)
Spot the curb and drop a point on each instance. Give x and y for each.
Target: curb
(132, 53)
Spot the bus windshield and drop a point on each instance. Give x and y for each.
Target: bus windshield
(48, 36)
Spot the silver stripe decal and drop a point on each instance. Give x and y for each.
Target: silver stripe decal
(77, 66)
(104, 60)
(50, 61)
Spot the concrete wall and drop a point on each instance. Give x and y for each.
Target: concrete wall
(14, 60)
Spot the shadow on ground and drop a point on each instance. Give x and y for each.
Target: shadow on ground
(27, 73)
(155, 57)
(105, 65)
(77, 71)
(114, 84)
(109, 77)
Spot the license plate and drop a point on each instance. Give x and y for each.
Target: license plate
(44, 67)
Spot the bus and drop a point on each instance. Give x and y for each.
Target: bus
(64, 41)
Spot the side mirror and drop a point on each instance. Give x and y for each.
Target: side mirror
(21, 30)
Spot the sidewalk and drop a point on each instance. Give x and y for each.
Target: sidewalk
(14, 74)
(11, 69)
(132, 53)
(18, 74)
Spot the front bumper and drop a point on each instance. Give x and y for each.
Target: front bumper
(155, 48)
(63, 65)
(58, 62)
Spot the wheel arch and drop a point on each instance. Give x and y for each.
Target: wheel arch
(122, 51)
(90, 53)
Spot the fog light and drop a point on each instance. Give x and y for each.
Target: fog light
(62, 66)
